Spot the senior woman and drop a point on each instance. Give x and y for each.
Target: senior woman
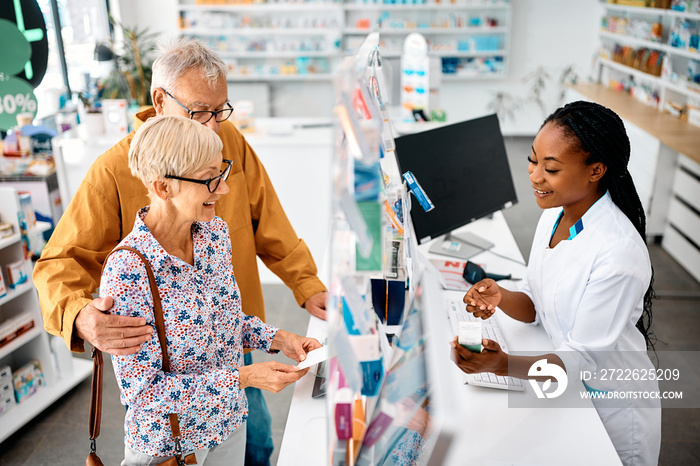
(189, 249)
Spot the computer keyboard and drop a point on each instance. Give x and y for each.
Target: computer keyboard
(456, 310)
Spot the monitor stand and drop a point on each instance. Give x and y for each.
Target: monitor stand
(460, 245)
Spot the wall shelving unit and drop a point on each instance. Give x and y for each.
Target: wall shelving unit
(665, 155)
(35, 343)
(289, 41)
(474, 34)
(672, 85)
(280, 41)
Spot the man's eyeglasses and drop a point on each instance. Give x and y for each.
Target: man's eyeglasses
(211, 183)
(203, 116)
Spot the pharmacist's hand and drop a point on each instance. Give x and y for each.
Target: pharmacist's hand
(482, 298)
(118, 335)
(491, 359)
(316, 305)
(272, 376)
(293, 346)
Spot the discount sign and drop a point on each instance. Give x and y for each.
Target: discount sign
(16, 94)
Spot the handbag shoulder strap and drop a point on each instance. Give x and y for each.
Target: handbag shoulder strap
(157, 306)
(96, 392)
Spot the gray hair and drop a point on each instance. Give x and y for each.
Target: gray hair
(171, 145)
(180, 55)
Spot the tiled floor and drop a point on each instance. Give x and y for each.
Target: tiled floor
(58, 436)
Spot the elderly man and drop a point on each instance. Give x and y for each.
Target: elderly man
(189, 80)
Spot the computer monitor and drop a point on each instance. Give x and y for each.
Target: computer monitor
(463, 168)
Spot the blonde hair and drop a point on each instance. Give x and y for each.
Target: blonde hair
(180, 55)
(171, 145)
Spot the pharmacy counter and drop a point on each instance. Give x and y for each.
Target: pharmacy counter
(489, 431)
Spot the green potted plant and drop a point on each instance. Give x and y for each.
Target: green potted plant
(131, 78)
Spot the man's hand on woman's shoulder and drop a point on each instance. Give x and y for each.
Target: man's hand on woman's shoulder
(117, 335)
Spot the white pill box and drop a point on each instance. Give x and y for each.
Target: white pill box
(470, 336)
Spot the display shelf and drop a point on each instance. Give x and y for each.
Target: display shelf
(625, 39)
(33, 344)
(425, 7)
(636, 9)
(260, 31)
(431, 31)
(629, 70)
(21, 340)
(476, 53)
(283, 77)
(447, 53)
(24, 412)
(473, 77)
(10, 240)
(269, 42)
(335, 34)
(682, 52)
(682, 14)
(676, 66)
(658, 12)
(266, 7)
(676, 87)
(13, 293)
(468, 30)
(276, 54)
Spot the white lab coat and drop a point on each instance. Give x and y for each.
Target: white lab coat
(588, 294)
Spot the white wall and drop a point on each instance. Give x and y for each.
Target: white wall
(157, 15)
(548, 33)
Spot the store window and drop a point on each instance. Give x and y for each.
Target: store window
(83, 23)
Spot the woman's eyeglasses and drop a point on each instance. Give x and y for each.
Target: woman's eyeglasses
(211, 183)
(203, 116)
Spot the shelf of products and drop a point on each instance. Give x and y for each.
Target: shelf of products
(470, 37)
(294, 40)
(280, 41)
(653, 52)
(13, 293)
(24, 340)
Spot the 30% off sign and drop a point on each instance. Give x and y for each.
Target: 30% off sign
(16, 97)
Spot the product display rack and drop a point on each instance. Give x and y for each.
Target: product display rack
(456, 30)
(301, 41)
(34, 343)
(670, 89)
(269, 41)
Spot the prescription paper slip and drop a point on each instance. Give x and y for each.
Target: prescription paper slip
(316, 356)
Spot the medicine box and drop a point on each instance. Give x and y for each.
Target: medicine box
(17, 274)
(28, 379)
(3, 290)
(15, 326)
(6, 390)
(6, 404)
(5, 374)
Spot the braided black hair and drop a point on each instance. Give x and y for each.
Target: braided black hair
(599, 132)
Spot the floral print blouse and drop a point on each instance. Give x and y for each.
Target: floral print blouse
(206, 332)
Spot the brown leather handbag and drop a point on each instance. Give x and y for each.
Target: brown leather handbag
(96, 395)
